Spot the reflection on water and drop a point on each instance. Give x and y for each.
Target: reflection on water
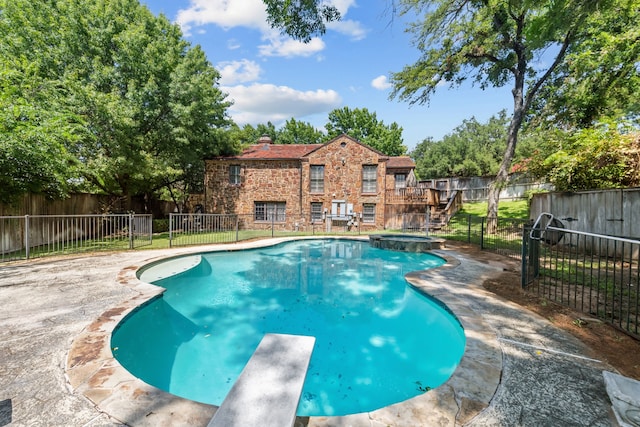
(377, 341)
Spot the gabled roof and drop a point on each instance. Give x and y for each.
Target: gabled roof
(401, 162)
(270, 151)
(345, 136)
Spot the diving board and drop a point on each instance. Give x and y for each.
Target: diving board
(268, 390)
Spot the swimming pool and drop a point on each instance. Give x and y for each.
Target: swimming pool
(378, 341)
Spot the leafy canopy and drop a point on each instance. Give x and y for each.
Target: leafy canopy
(357, 123)
(364, 126)
(600, 79)
(601, 157)
(472, 149)
(521, 43)
(135, 107)
(301, 19)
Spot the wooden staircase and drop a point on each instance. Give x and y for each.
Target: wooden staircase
(441, 215)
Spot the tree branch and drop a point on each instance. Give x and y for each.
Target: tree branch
(559, 57)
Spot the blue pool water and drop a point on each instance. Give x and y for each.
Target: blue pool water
(378, 341)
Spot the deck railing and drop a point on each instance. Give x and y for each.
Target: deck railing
(409, 195)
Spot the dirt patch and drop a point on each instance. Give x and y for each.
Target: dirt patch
(605, 342)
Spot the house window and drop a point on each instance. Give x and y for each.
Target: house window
(270, 211)
(316, 212)
(401, 180)
(369, 213)
(234, 174)
(317, 178)
(369, 178)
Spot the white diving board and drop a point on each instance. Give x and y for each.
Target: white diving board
(268, 390)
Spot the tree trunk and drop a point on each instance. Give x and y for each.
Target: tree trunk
(503, 173)
(512, 139)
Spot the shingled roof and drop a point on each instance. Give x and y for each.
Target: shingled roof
(265, 149)
(277, 151)
(401, 162)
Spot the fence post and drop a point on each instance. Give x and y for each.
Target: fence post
(273, 222)
(170, 228)
(482, 234)
(468, 228)
(524, 264)
(26, 236)
(130, 231)
(427, 221)
(237, 227)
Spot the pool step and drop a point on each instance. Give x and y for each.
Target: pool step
(268, 390)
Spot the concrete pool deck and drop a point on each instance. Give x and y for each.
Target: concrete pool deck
(56, 367)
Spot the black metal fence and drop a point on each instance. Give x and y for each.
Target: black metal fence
(25, 237)
(33, 236)
(594, 274)
(506, 240)
(200, 229)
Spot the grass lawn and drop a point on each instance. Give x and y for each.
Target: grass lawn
(516, 209)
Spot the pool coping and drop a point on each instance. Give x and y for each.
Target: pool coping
(93, 372)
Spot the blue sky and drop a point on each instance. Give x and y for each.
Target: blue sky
(274, 78)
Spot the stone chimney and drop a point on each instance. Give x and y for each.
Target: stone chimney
(265, 139)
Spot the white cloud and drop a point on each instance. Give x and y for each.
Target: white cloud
(252, 14)
(381, 83)
(225, 13)
(353, 29)
(233, 72)
(233, 44)
(259, 103)
(287, 47)
(343, 6)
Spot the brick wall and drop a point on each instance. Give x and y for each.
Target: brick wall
(263, 180)
(260, 181)
(343, 160)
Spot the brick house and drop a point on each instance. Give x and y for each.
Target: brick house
(342, 182)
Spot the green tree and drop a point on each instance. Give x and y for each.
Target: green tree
(148, 101)
(249, 135)
(36, 125)
(301, 19)
(600, 78)
(600, 157)
(298, 132)
(472, 149)
(268, 129)
(494, 43)
(33, 140)
(364, 126)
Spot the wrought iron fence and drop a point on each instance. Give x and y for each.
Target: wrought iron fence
(32, 236)
(507, 239)
(24, 237)
(591, 273)
(201, 229)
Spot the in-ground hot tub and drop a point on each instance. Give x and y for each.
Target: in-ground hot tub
(405, 242)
